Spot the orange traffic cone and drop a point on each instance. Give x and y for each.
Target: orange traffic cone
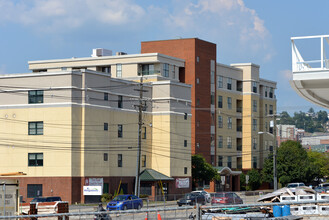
(159, 216)
(146, 216)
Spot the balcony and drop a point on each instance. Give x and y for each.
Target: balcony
(311, 77)
(149, 72)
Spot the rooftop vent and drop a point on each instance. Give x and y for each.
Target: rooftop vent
(120, 53)
(100, 52)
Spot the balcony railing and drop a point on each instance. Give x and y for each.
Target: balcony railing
(149, 72)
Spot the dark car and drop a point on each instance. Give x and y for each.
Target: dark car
(39, 199)
(124, 202)
(225, 198)
(53, 199)
(192, 199)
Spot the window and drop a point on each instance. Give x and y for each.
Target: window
(229, 142)
(220, 161)
(185, 170)
(198, 102)
(35, 159)
(143, 160)
(254, 87)
(119, 70)
(254, 143)
(212, 98)
(229, 122)
(185, 143)
(229, 161)
(229, 103)
(220, 82)
(36, 128)
(63, 68)
(266, 91)
(147, 69)
(254, 124)
(35, 96)
(220, 121)
(197, 59)
(271, 93)
(106, 126)
(229, 83)
(106, 96)
(265, 109)
(119, 160)
(106, 157)
(120, 130)
(185, 116)
(254, 105)
(198, 145)
(266, 127)
(106, 69)
(144, 132)
(212, 160)
(220, 141)
(166, 70)
(120, 101)
(254, 162)
(271, 110)
(197, 80)
(34, 190)
(220, 101)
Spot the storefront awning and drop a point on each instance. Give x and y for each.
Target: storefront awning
(226, 171)
(152, 175)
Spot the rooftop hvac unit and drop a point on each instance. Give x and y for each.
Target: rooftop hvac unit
(121, 53)
(100, 52)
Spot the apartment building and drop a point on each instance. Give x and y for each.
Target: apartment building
(231, 108)
(71, 124)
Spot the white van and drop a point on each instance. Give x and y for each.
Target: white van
(295, 185)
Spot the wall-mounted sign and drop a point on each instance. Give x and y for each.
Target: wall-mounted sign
(94, 182)
(182, 183)
(92, 190)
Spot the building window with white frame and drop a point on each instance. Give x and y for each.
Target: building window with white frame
(229, 122)
(119, 160)
(220, 101)
(120, 131)
(119, 70)
(254, 87)
(229, 142)
(35, 128)
(254, 143)
(220, 141)
(166, 70)
(35, 96)
(35, 159)
(219, 82)
(254, 105)
(266, 91)
(271, 94)
(220, 161)
(143, 160)
(254, 124)
(220, 121)
(229, 103)
(229, 161)
(229, 83)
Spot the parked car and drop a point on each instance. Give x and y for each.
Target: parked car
(320, 189)
(124, 202)
(39, 199)
(53, 199)
(205, 194)
(192, 199)
(324, 184)
(226, 198)
(295, 185)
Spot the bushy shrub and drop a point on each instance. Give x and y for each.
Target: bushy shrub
(106, 197)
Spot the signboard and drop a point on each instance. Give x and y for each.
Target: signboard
(94, 182)
(92, 190)
(182, 183)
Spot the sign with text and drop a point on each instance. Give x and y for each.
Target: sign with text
(92, 190)
(94, 182)
(182, 183)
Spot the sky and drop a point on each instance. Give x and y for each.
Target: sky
(245, 31)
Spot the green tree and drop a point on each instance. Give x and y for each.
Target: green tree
(242, 182)
(293, 164)
(255, 179)
(201, 170)
(285, 119)
(320, 162)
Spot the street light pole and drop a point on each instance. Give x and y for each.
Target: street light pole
(275, 178)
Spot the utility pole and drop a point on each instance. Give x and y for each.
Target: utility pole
(140, 106)
(275, 178)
